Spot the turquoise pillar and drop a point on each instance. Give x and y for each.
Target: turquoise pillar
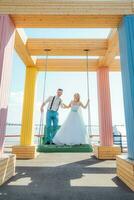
(126, 43)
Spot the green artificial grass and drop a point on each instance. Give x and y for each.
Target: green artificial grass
(64, 148)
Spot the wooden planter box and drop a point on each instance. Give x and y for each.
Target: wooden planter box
(106, 152)
(24, 152)
(7, 167)
(125, 170)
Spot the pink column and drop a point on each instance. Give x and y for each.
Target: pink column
(7, 35)
(104, 104)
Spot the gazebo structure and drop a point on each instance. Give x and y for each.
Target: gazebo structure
(115, 14)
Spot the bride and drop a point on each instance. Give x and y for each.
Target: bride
(73, 130)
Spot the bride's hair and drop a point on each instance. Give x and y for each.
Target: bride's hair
(77, 95)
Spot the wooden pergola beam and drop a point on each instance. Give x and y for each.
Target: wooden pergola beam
(67, 7)
(20, 47)
(25, 48)
(112, 51)
(67, 47)
(66, 21)
(69, 65)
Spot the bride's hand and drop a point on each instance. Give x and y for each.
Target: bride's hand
(87, 103)
(66, 106)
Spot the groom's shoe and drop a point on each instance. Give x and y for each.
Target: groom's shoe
(53, 143)
(47, 143)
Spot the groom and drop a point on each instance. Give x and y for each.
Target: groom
(54, 102)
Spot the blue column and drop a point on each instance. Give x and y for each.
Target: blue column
(126, 43)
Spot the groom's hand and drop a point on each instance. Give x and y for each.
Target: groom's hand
(42, 109)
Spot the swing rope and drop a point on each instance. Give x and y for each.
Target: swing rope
(88, 93)
(41, 125)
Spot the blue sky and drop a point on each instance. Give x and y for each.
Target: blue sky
(70, 82)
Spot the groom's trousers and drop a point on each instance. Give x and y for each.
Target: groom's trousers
(51, 125)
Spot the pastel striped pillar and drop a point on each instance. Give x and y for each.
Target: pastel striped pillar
(104, 105)
(7, 35)
(126, 43)
(28, 107)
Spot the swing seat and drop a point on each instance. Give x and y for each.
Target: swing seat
(42, 147)
(64, 148)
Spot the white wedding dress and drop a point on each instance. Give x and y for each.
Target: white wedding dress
(73, 130)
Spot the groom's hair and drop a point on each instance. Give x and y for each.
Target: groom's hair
(59, 89)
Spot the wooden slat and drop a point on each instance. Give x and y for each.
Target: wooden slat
(129, 178)
(8, 169)
(66, 64)
(2, 168)
(67, 52)
(124, 168)
(66, 21)
(125, 180)
(133, 6)
(125, 164)
(72, 65)
(67, 7)
(20, 47)
(67, 47)
(112, 51)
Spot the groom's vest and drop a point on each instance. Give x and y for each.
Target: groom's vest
(54, 103)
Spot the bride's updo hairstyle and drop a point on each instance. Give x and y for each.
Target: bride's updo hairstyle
(77, 97)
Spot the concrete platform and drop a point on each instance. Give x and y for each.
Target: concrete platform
(58, 176)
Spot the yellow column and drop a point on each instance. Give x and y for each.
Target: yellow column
(28, 107)
(26, 148)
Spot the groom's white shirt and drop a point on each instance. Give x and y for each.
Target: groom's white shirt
(54, 103)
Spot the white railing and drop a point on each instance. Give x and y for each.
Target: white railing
(12, 136)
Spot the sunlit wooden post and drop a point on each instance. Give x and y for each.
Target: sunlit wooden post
(126, 40)
(104, 104)
(27, 149)
(7, 35)
(105, 150)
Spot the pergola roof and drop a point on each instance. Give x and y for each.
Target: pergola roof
(67, 14)
(105, 49)
(67, 7)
